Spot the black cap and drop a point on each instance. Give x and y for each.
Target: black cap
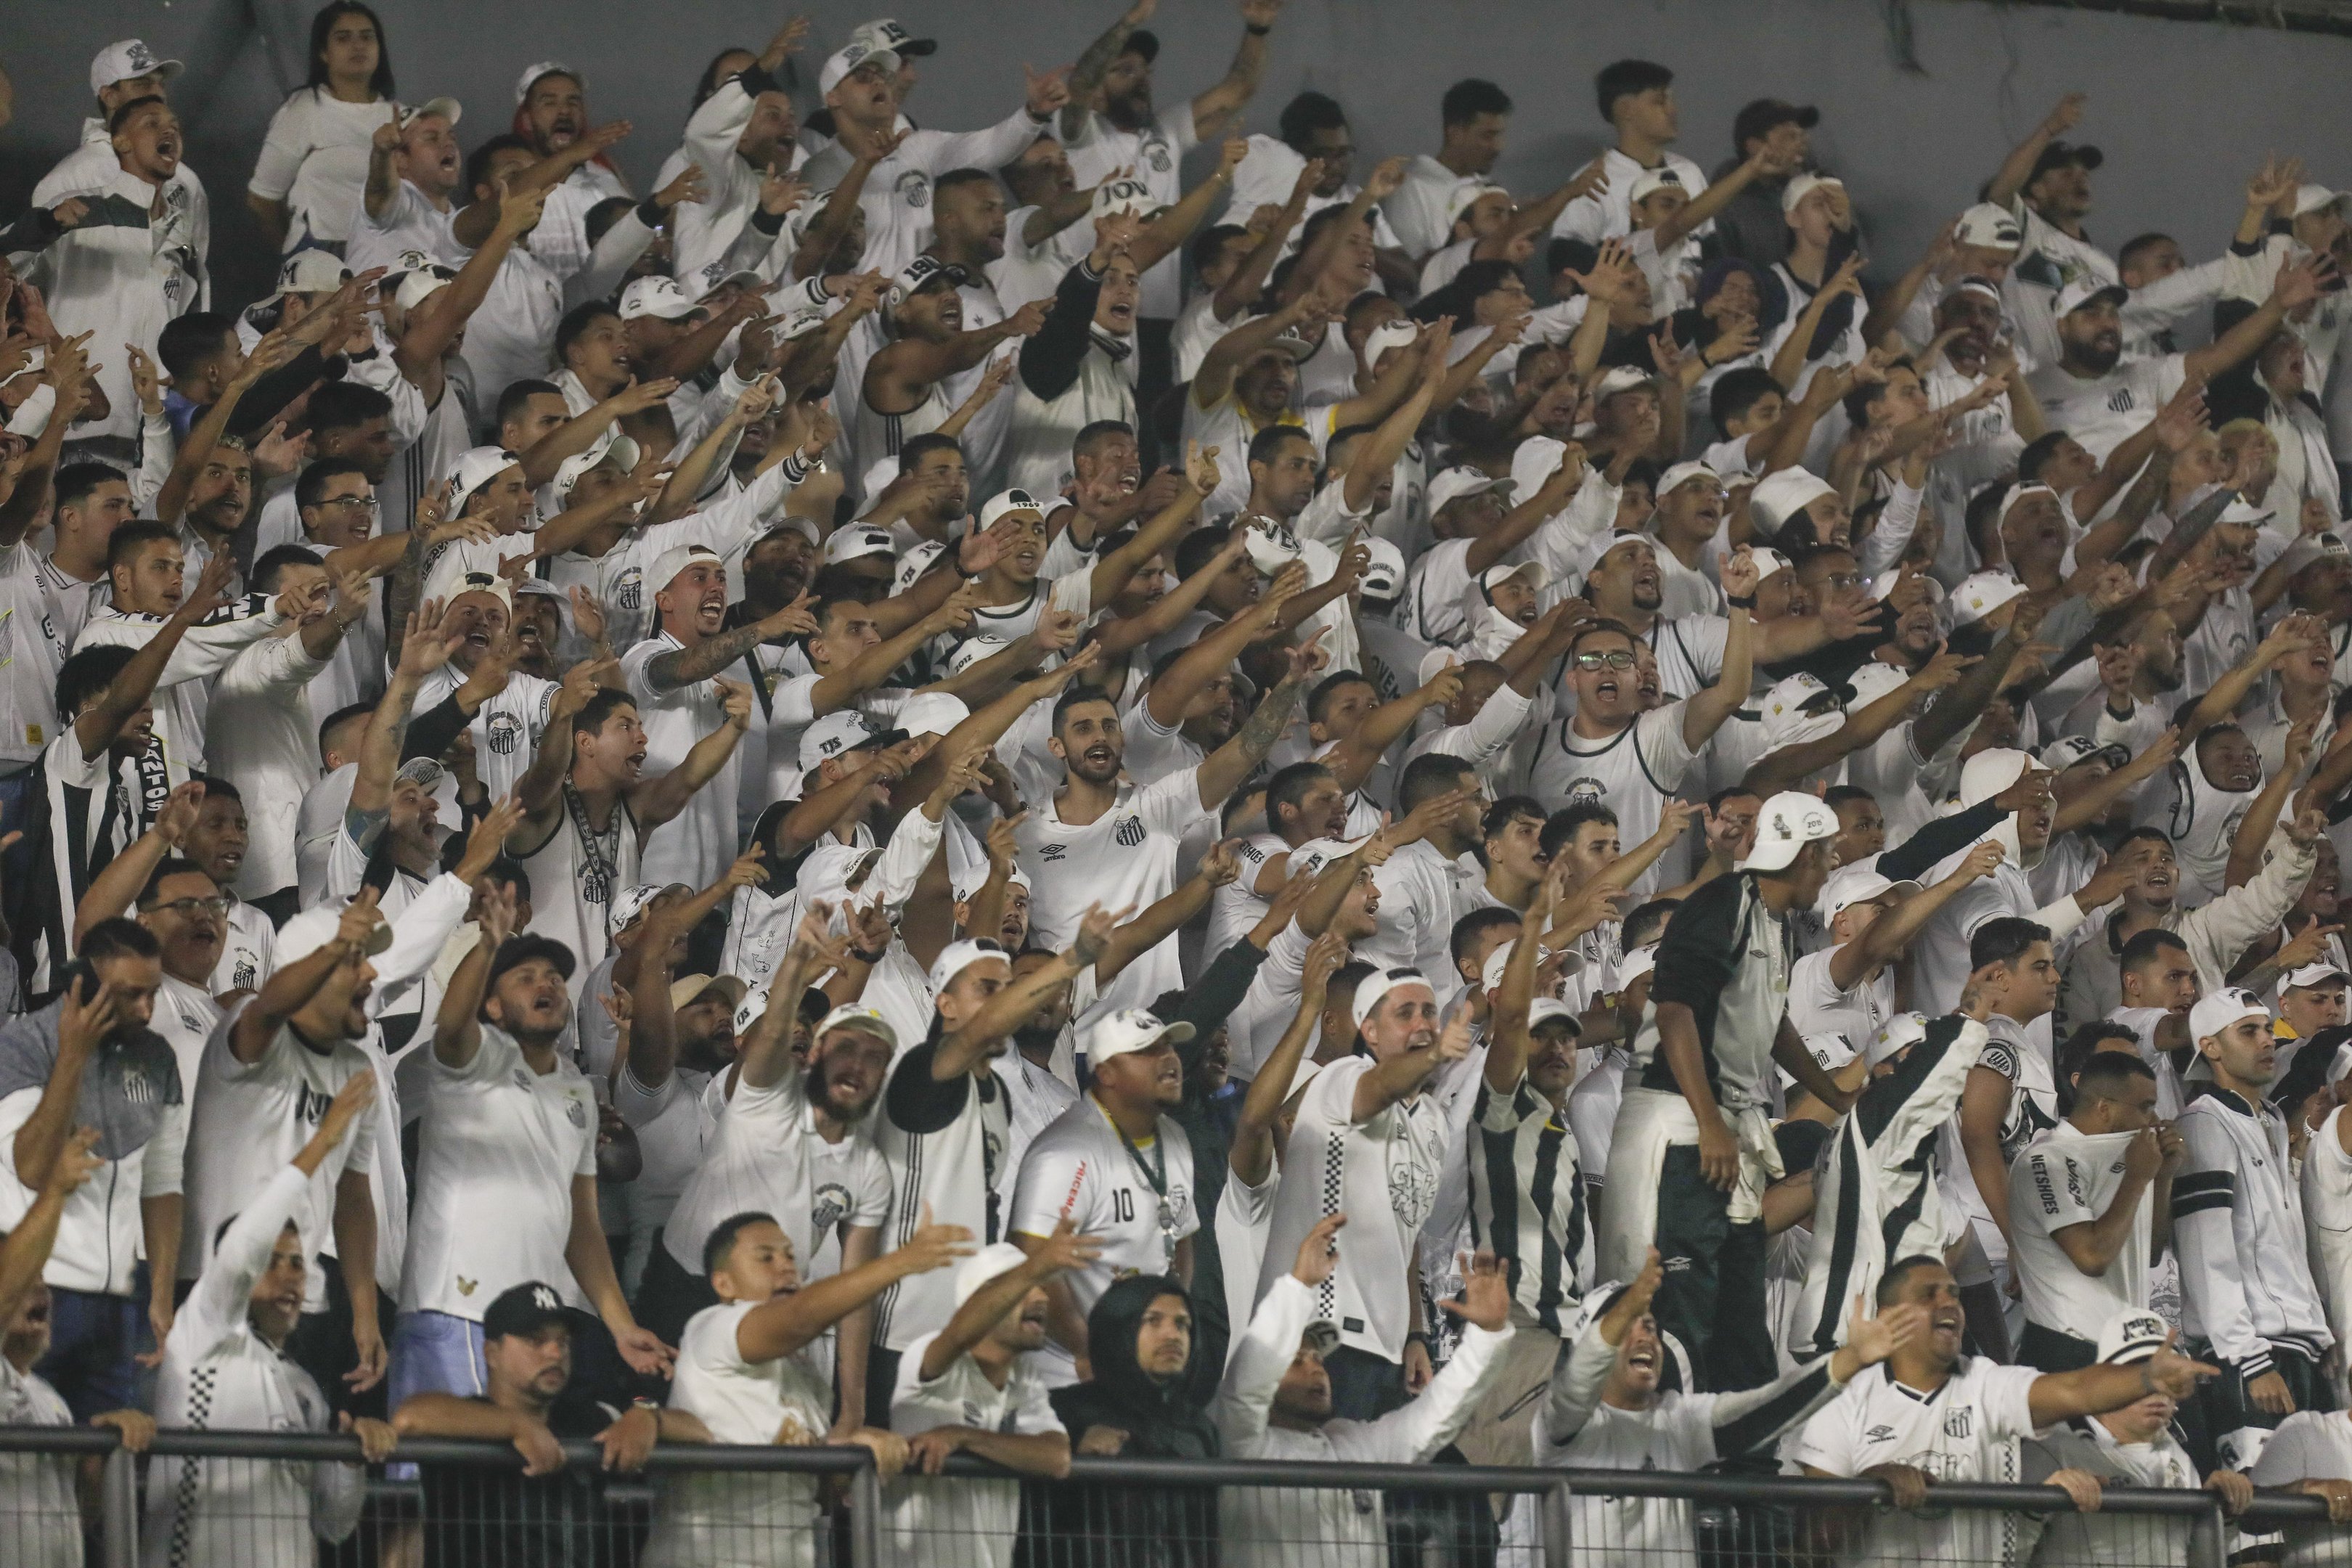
(1800, 1144)
(1142, 41)
(2058, 155)
(1760, 117)
(523, 947)
(525, 1309)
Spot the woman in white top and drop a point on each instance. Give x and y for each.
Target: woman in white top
(314, 161)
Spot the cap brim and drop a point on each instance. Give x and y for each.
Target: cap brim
(916, 47)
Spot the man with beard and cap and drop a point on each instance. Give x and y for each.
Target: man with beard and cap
(859, 88)
(1691, 1153)
(2095, 1193)
(505, 1180)
(1933, 1413)
(1114, 1164)
(1610, 749)
(1605, 1410)
(1110, 126)
(1279, 1402)
(745, 1371)
(2090, 391)
(225, 1365)
(1475, 532)
(968, 1389)
(904, 390)
(408, 202)
(551, 118)
(90, 1054)
(2248, 1297)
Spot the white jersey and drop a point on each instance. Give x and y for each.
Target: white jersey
(507, 729)
(1632, 772)
(1382, 1174)
(764, 1155)
(576, 874)
(219, 1375)
(1137, 1197)
(502, 1145)
(945, 1144)
(2102, 411)
(697, 844)
(970, 1523)
(2067, 1177)
(256, 1119)
(36, 1490)
(1125, 857)
(1967, 1430)
(184, 694)
(716, 1519)
(1816, 1006)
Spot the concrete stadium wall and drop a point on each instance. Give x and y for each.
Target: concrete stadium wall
(2186, 110)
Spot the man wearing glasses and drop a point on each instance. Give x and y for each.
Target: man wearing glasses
(1610, 750)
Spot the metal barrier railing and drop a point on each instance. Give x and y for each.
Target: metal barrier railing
(447, 1502)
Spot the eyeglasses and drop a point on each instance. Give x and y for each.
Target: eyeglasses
(189, 908)
(1616, 659)
(357, 503)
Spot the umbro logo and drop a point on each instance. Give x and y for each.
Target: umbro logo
(1878, 1435)
(1052, 852)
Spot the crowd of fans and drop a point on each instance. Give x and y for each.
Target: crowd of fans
(1090, 786)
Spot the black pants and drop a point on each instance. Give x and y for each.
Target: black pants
(1713, 1297)
(2048, 1350)
(2223, 1426)
(667, 1295)
(881, 1384)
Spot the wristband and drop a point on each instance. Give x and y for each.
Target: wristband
(1416, 1336)
(863, 956)
(1738, 601)
(1256, 30)
(650, 213)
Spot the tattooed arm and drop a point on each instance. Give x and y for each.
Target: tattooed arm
(683, 667)
(1229, 764)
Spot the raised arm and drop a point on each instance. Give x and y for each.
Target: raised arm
(1707, 709)
(1250, 1159)
(433, 325)
(656, 801)
(133, 686)
(114, 889)
(290, 987)
(1223, 771)
(1892, 932)
(1408, 1072)
(2017, 169)
(986, 1308)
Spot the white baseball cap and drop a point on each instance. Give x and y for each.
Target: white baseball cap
(620, 451)
(1502, 572)
(630, 902)
(1468, 194)
(1397, 334)
(531, 73)
(2225, 1007)
(1790, 821)
(973, 649)
(886, 33)
(1870, 682)
(1988, 772)
(1897, 1034)
(839, 733)
(1538, 458)
(1006, 502)
(848, 58)
(1601, 545)
(1454, 484)
(2310, 198)
(474, 469)
(1124, 194)
(312, 270)
(2309, 974)
(659, 297)
(127, 58)
(1271, 544)
(2088, 289)
(1980, 594)
(1797, 709)
(751, 1010)
(421, 281)
(1991, 226)
(959, 957)
(853, 1016)
(1681, 474)
(489, 583)
(1768, 561)
(991, 1262)
(917, 276)
(859, 540)
(1379, 983)
(1783, 494)
(676, 558)
(1383, 576)
(2070, 751)
(1547, 1009)
(1857, 884)
(1650, 182)
(1804, 186)
(1624, 378)
(1637, 962)
(1129, 1030)
(931, 713)
(2133, 1335)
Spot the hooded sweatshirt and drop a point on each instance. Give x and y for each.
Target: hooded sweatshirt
(1157, 1526)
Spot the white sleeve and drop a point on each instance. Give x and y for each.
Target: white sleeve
(2286, 1458)
(2052, 1189)
(1574, 1392)
(418, 935)
(1259, 1358)
(283, 148)
(164, 1159)
(1052, 1182)
(216, 1309)
(940, 150)
(1492, 728)
(1172, 804)
(1411, 1434)
(1664, 750)
(912, 843)
(1891, 534)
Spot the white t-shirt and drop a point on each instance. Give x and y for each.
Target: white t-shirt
(502, 1143)
(2310, 1445)
(2102, 411)
(1967, 1430)
(1081, 1167)
(1125, 857)
(1632, 772)
(1382, 1174)
(697, 844)
(410, 222)
(764, 1155)
(2327, 1215)
(970, 1523)
(1155, 156)
(2067, 1177)
(717, 1519)
(36, 1490)
(1816, 1006)
(314, 158)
